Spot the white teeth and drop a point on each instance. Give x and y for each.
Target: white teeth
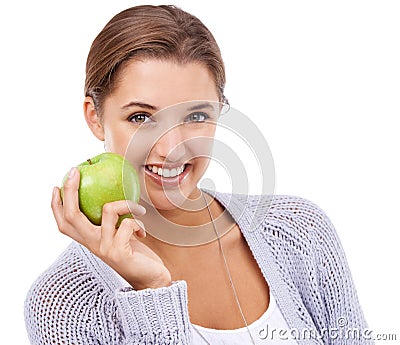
(164, 172)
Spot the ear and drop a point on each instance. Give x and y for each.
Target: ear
(92, 118)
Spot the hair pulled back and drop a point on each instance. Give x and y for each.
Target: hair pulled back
(158, 32)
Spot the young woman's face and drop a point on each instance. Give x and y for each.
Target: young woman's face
(161, 117)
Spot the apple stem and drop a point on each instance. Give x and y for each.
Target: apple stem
(89, 161)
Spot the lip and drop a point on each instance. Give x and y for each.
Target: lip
(167, 166)
(168, 181)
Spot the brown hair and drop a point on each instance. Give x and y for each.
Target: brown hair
(160, 32)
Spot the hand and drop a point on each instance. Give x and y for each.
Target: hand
(119, 248)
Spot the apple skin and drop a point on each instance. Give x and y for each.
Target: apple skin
(105, 178)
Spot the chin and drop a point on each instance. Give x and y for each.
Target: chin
(168, 200)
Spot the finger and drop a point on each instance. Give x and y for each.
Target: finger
(71, 196)
(129, 206)
(110, 216)
(125, 231)
(57, 207)
(63, 226)
(75, 223)
(142, 230)
(135, 209)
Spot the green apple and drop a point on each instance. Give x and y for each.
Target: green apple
(105, 178)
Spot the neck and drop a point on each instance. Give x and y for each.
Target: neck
(193, 212)
(190, 224)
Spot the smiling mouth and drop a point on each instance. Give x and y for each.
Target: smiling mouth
(166, 173)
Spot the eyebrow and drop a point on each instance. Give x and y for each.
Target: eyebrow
(202, 106)
(152, 107)
(140, 105)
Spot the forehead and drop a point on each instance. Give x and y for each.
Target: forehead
(164, 83)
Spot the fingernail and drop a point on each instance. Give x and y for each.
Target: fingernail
(140, 223)
(72, 172)
(55, 191)
(141, 210)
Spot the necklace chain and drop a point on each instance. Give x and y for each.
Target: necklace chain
(229, 275)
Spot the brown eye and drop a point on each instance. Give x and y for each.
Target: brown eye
(139, 118)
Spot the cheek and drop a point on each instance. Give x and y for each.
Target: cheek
(201, 144)
(114, 143)
(200, 166)
(136, 153)
(123, 141)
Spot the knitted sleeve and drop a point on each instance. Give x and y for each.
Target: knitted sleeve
(68, 304)
(345, 323)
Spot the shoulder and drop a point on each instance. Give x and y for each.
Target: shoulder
(292, 226)
(296, 206)
(299, 233)
(75, 270)
(292, 211)
(66, 296)
(68, 268)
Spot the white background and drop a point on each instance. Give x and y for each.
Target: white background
(321, 79)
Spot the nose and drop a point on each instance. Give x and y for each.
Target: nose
(170, 147)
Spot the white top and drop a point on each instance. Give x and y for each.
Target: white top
(270, 328)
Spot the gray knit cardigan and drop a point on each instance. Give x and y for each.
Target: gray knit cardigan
(81, 300)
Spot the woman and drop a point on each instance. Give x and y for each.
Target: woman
(267, 268)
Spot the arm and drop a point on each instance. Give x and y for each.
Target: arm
(155, 316)
(345, 320)
(69, 304)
